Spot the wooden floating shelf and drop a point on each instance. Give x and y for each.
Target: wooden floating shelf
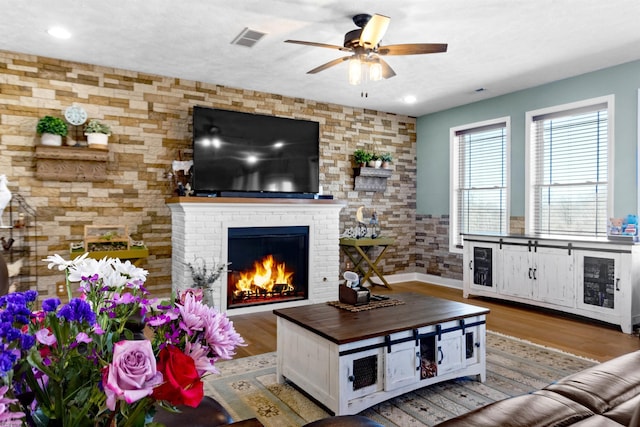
(71, 163)
(371, 179)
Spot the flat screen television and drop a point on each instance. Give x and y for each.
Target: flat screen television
(236, 153)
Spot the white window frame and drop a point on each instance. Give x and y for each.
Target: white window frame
(454, 245)
(529, 169)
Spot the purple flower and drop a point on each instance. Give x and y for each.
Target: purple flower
(30, 295)
(132, 374)
(77, 310)
(44, 336)
(7, 359)
(50, 304)
(27, 341)
(6, 416)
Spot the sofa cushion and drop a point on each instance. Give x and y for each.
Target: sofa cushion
(597, 421)
(604, 386)
(538, 409)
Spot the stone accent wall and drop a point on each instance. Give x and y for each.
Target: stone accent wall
(432, 247)
(150, 118)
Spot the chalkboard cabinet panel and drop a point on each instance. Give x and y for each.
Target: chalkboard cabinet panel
(594, 279)
(482, 266)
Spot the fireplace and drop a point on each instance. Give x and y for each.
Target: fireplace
(200, 227)
(267, 265)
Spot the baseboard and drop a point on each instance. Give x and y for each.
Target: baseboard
(420, 277)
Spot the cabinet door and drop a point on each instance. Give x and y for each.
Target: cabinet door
(598, 281)
(554, 276)
(364, 373)
(402, 365)
(480, 261)
(451, 352)
(517, 271)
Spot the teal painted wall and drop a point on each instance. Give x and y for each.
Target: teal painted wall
(623, 81)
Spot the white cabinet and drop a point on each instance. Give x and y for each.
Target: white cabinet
(596, 279)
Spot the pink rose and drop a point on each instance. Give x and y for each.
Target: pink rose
(132, 373)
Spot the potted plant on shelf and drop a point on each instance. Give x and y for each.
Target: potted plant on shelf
(361, 157)
(51, 129)
(97, 134)
(386, 159)
(375, 161)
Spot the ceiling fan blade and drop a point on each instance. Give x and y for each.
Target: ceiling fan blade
(329, 46)
(412, 49)
(373, 32)
(387, 71)
(328, 65)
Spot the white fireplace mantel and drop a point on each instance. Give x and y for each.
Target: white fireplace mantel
(199, 229)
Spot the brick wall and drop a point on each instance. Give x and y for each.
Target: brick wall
(150, 117)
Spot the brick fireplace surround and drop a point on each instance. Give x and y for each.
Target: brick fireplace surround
(199, 227)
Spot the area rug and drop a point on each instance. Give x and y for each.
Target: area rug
(247, 387)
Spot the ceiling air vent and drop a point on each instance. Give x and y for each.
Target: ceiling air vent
(248, 37)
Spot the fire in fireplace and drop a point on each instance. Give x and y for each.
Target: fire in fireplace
(268, 265)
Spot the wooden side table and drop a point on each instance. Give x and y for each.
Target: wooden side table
(358, 252)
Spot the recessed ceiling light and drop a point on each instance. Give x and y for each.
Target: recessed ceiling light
(409, 99)
(59, 33)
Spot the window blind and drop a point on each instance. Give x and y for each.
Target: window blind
(569, 164)
(480, 185)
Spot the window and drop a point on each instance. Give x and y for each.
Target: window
(479, 179)
(569, 149)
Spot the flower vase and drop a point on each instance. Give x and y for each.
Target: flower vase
(207, 297)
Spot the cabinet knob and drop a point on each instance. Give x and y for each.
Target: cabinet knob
(351, 378)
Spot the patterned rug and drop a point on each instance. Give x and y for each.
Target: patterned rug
(369, 306)
(248, 388)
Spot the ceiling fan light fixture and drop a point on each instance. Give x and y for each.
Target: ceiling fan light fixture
(355, 70)
(375, 70)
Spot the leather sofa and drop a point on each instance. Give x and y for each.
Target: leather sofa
(605, 395)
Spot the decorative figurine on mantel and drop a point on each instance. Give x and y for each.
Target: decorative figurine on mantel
(5, 196)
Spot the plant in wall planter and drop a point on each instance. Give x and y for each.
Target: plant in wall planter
(386, 160)
(361, 157)
(51, 129)
(375, 161)
(97, 134)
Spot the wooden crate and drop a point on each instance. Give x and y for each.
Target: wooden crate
(106, 238)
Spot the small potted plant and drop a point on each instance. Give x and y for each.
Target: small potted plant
(97, 134)
(386, 159)
(361, 157)
(375, 161)
(51, 129)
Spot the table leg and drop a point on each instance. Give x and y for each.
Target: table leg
(373, 267)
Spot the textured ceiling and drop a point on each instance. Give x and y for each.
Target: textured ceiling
(499, 45)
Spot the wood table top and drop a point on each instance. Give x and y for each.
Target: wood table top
(343, 326)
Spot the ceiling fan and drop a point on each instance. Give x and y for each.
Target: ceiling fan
(364, 45)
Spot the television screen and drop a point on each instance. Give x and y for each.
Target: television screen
(243, 152)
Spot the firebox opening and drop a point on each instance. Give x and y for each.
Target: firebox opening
(268, 265)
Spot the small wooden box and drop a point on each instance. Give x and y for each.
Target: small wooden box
(106, 238)
(351, 296)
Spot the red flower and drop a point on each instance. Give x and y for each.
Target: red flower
(182, 384)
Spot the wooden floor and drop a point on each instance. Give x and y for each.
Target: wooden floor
(577, 336)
